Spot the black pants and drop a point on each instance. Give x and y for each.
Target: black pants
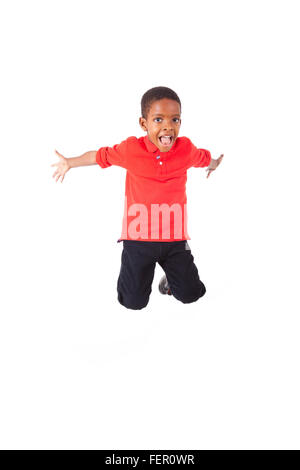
(137, 271)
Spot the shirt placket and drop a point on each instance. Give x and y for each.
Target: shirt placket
(161, 164)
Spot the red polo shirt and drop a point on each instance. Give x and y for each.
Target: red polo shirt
(155, 188)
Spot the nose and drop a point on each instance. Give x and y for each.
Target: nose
(168, 127)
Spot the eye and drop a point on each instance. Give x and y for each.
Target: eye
(175, 119)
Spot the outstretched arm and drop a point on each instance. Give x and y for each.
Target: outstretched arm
(64, 164)
(214, 164)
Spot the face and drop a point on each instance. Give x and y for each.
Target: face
(163, 120)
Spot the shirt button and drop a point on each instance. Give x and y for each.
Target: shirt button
(158, 156)
(160, 163)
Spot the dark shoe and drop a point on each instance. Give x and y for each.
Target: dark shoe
(164, 286)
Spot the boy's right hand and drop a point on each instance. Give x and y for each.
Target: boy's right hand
(62, 167)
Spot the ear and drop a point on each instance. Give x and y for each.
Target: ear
(142, 122)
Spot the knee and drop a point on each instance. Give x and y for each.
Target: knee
(132, 302)
(187, 297)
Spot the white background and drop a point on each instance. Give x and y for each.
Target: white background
(78, 370)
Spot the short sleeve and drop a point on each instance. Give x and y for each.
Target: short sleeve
(198, 157)
(116, 155)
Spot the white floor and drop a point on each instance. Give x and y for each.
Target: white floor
(81, 371)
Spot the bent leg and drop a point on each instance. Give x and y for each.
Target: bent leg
(182, 274)
(136, 275)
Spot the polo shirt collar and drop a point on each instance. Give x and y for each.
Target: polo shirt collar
(149, 145)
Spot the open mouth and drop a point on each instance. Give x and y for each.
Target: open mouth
(166, 140)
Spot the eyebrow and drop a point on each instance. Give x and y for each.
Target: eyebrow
(159, 114)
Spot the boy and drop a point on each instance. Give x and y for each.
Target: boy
(156, 175)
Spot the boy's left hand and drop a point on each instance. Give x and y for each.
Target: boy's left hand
(213, 164)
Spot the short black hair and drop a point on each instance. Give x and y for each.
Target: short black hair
(155, 94)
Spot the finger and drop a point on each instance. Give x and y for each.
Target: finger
(62, 178)
(59, 154)
(55, 173)
(58, 176)
(54, 164)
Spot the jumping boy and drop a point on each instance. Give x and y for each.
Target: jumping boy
(155, 218)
